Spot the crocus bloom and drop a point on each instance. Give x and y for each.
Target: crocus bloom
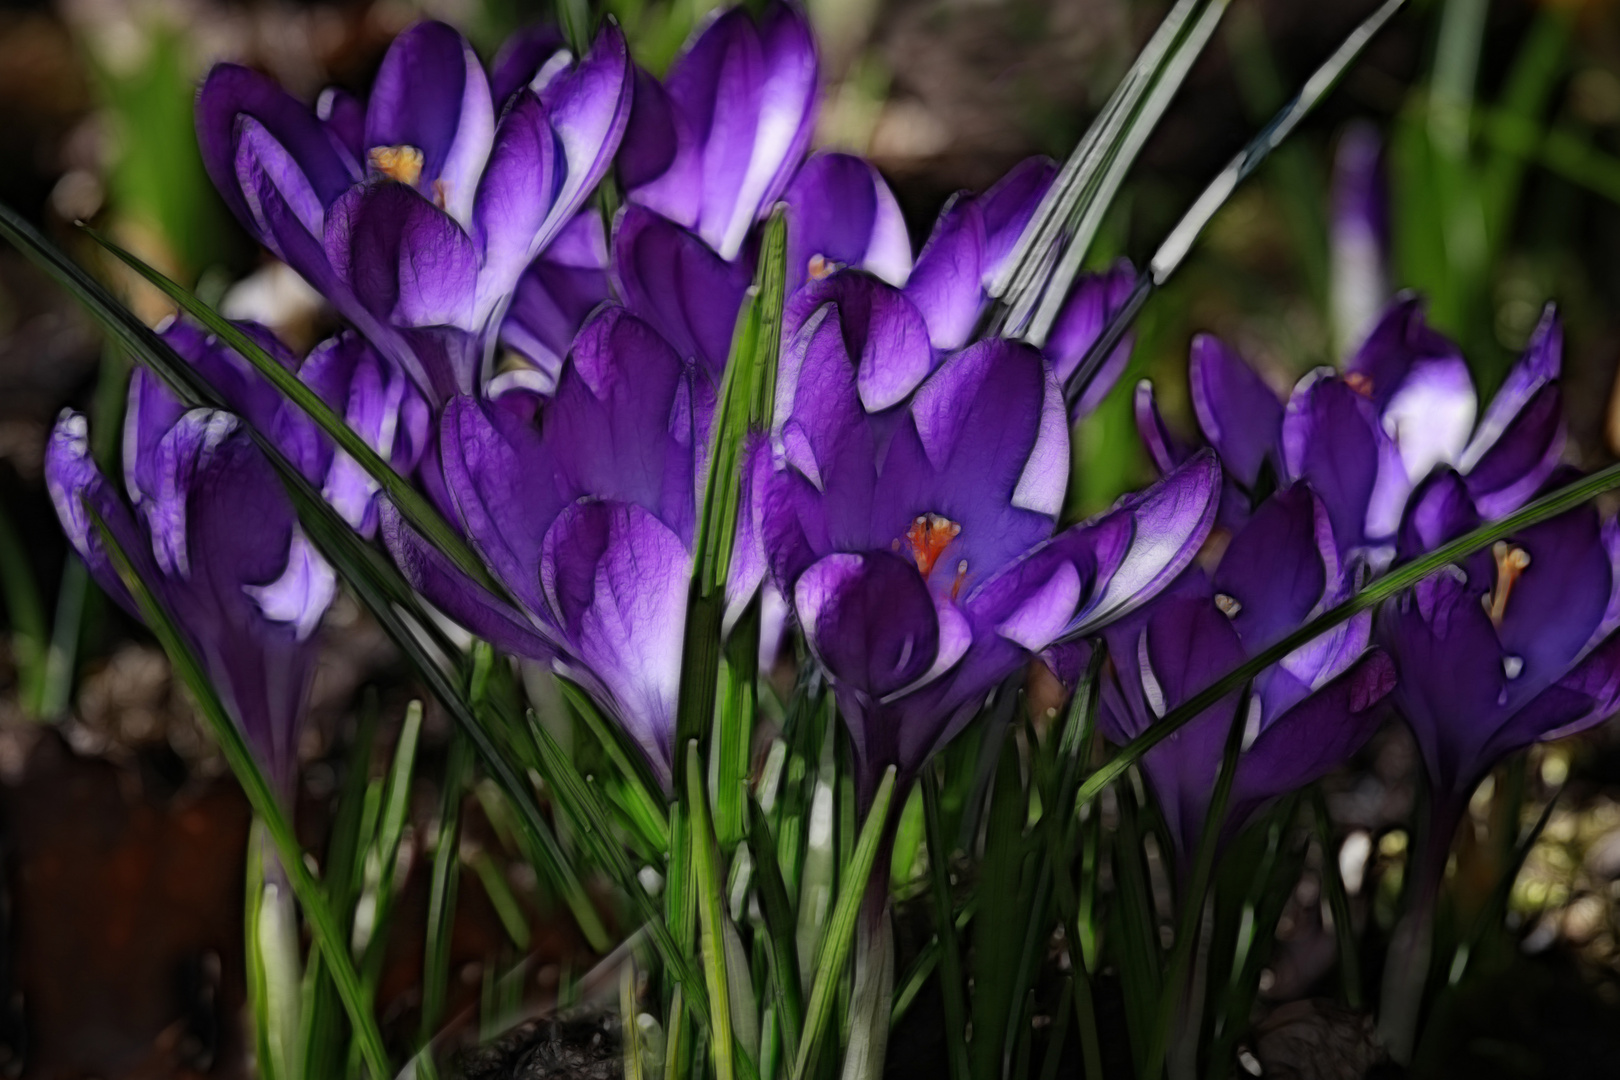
(1404, 405)
(211, 532)
(417, 218)
(1303, 717)
(585, 517)
(1514, 646)
(910, 518)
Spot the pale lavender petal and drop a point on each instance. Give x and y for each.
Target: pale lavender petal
(1163, 446)
(72, 479)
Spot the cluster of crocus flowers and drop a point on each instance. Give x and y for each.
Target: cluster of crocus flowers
(211, 532)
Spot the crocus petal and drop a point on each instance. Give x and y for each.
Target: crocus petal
(232, 93)
(946, 284)
(1168, 524)
(1431, 414)
(1009, 205)
(1397, 346)
(1331, 438)
(615, 579)
(1597, 677)
(524, 57)
(884, 337)
(72, 479)
(1094, 299)
(870, 620)
(1439, 511)
(677, 283)
(1359, 238)
(345, 117)
(840, 212)
(1540, 364)
(431, 94)
(260, 159)
(303, 592)
(514, 198)
(1314, 737)
(1166, 450)
(1278, 567)
(588, 109)
(1512, 467)
(1236, 410)
(557, 293)
(457, 595)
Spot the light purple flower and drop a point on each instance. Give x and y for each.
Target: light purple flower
(418, 232)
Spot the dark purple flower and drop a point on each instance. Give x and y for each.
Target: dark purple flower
(211, 532)
(582, 505)
(419, 232)
(1514, 646)
(1303, 717)
(910, 514)
(1404, 405)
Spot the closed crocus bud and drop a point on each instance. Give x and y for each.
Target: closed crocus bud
(1360, 235)
(419, 233)
(910, 519)
(1303, 717)
(211, 532)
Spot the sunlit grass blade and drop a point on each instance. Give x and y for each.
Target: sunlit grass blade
(412, 505)
(261, 796)
(840, 934)
(1019, 280)
(634, 1066)
(1173, 251)
(711, 915)
(376, 907)
(1391, 584)
(1091, 211)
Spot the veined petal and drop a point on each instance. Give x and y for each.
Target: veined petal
(870, 619)
(946, 284)
(841, 213)
(1278, 567)
(885, 338)
(588, 109)
(72, 479)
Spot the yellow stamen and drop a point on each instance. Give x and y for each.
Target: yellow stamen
(821, 267)
(928, 538)
(1228, 605)
(1511, 562)
(402, 163)
(1360, 382)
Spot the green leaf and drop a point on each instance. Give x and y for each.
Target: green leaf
(780, 929)
(261, 796)
(443, 887)
(711, 911)
(638, 782)
(1391, 584)
(952, 986)
(840, 933)
(412, 505)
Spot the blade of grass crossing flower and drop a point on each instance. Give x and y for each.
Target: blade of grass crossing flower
(840, 935)
(711, 912)
(412, 505)
(779, 931)
(261, 796)
(1092, 210)
(1173, 251)
(952, 985)
(1178, 976)
(1391, 584)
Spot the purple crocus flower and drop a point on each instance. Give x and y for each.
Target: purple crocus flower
(1404, 405)
(1516, 645)
(585, 517)
(417, 220)
(1303, 717)
(910, 513)
(210, 530)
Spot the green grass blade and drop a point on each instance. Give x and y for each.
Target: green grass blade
(261, 796)
(840, 935)
(711, 915)
(952, 986)
(780, 928)
(633, 771)
(1338, 902)
(412, 505)
(443, 888)
(1391, 584)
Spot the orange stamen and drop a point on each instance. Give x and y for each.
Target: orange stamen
(1360, 382)
(928, 537)
(441, 194)
(821, 267)
(1511, 562)
(402, 163)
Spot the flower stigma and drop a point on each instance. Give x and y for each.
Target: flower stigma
(402, 163)
(928, 537)
(1511, 561)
